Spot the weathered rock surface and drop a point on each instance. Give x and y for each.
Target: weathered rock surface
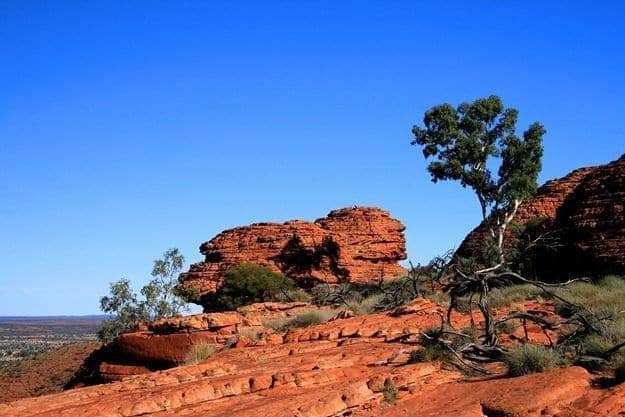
(586, 209)
(334, 369)
(165, 343)
(370, 240)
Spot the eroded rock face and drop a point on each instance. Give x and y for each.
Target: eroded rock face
(586, 210)
(370, 240)
(165, 343)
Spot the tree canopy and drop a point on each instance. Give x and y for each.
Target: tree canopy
(159, 298)
(464, 142)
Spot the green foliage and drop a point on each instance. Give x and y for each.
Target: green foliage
(199, 353)
(249, 283)
(604, 299)
(528, 359)
(463, 143)
(159, 298)
(188, 292)
(389, 392)
(462, 140)
(122, 302)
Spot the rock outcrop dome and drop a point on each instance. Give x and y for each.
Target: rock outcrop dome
(586, 209)
(371, 245)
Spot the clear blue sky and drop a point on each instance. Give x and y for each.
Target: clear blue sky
(127, 128)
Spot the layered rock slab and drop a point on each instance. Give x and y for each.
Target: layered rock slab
(334, 369)
(371, 244)
(585, 210)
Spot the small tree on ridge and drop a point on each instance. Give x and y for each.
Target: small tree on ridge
(463, 144)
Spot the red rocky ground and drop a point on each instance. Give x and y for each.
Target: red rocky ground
(339, 368)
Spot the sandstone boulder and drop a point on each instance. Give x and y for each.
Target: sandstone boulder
(586, 211)
(371, 245)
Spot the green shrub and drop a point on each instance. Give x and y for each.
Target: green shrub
(188, 292)
(389, 392)
(528, 359)
(249, 283)
(199, 353)
(605, 299)
(160, 298)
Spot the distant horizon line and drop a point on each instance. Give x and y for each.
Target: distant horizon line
(43, 316)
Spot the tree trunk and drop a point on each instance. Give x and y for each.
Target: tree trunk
(490, 332)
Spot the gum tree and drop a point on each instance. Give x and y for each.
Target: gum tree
(476, 144)
(160, 298)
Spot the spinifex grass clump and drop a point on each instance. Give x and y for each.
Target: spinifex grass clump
(432, 348)
(310, 318)
(603, 305)
(389, 392)
(529, 359)
(199, 353)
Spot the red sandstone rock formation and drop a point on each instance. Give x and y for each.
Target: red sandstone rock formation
(371, 244)
(165, 343)
(587, 209)
(334, 369)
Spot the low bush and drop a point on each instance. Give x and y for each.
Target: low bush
(249, 283)
(432, 349)
(199, 353)
(389, 392)
(528, 359)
